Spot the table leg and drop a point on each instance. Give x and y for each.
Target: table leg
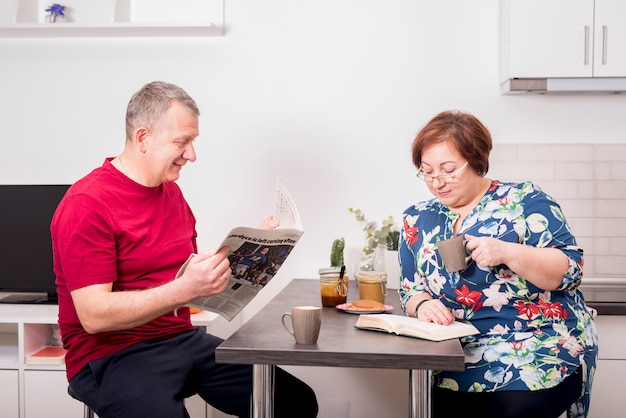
(419, 393)
(262, 405)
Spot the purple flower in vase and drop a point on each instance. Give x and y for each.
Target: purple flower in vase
(55, 11)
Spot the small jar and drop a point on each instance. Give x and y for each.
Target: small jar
(333, 289)
(372, 285)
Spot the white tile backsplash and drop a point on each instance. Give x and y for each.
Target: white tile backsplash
(616, 171)
(563, 189)
(577, 208)
(607, 266)
(611, 190)
(613, 208)
(564, 152)
(610, 152)
(589, 182)
(574, 170)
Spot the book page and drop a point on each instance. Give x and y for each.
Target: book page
(436, 332)
(412, 327)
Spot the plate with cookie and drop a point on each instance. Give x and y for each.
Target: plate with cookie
(364, 306)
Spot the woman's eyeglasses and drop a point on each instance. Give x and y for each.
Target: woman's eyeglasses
(446, 178)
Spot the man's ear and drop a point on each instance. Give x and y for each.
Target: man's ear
(140, 138)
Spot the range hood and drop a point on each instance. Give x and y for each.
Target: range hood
(586, 85)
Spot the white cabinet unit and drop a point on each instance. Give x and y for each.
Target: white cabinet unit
(27, 18)
(547, 38)
(606, 393)
(35, 391)
(609, 38)
(45, 395)
(606, 401)
(560, 39)
(9, 393)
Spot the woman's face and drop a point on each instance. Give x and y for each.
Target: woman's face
(448, 176)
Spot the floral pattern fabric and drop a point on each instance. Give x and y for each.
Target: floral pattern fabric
(530, 339)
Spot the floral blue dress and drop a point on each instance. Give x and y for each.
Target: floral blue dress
(530, 338)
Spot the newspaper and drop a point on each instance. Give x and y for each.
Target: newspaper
(255, 257)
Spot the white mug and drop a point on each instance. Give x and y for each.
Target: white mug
(306, 322)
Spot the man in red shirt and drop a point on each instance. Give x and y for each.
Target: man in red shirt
(119, 236)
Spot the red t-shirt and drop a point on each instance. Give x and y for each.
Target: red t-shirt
(109, 229)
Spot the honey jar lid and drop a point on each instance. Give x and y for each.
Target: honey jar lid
(372, 276)
(330, 270)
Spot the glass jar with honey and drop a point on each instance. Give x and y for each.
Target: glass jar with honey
(333, 288)
(372, 285)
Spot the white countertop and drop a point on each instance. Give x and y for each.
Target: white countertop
(606, 295)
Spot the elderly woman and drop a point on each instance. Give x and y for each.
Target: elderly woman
(536, 352)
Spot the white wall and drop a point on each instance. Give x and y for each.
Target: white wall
(327, 94)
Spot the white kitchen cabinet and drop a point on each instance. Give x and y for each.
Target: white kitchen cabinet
(606, 400)
(609, 57)
(9, 393)
(45, 395)
(35, 391)
(562, 38)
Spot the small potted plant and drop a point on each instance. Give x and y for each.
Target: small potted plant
(377, 239)
(56, 13)
(380, 252)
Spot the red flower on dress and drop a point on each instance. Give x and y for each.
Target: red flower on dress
(468, 298)
(504, 200)
(410, 234)
(517, 345)
(553, 310)
(528, 310)
(494, 185)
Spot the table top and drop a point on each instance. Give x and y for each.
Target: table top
(263, 340)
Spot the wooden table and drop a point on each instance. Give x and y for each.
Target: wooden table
(264, 343)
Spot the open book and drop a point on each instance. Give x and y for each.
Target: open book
(255, 257)
(413, 327)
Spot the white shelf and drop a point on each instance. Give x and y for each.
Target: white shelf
(114, 18)
(204, 318)
(33, 30)
(28, 313)
(8, 351)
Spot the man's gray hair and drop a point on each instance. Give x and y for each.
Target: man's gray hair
(149, 104)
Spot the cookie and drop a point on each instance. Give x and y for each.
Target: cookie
(367, 305)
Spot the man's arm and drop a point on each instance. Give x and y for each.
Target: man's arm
(101, 309)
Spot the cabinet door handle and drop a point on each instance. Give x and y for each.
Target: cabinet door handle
(586, 53)
(605, 33)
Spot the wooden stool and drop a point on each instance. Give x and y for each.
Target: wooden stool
(88, 413)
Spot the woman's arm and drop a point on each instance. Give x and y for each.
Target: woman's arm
(543, 267)
(548, 256)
